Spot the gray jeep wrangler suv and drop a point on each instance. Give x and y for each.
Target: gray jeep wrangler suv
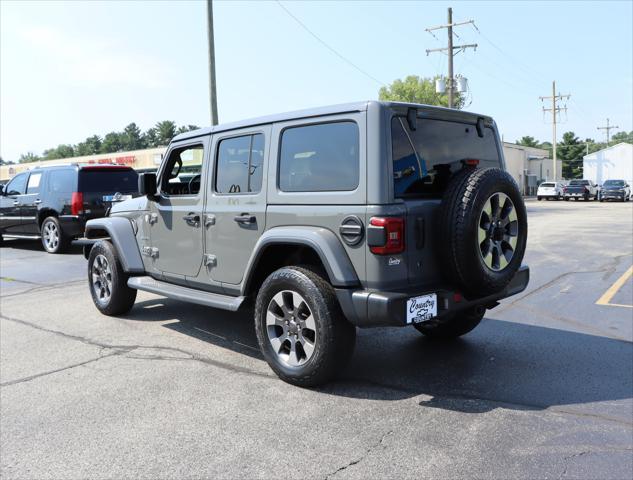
(359, 215)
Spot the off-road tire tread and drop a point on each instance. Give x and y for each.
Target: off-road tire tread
(455, 213)
(339, 337)
(123, 297)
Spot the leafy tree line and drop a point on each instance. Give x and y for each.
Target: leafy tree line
(571, 149)
(131, 138)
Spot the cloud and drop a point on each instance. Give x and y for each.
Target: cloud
(93, 62)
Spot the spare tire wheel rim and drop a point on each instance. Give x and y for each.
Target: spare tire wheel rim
(498, 231)
(291, 328)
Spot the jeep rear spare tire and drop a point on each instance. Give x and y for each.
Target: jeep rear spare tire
(482, 230)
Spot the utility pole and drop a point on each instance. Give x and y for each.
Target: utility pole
(555, 109)
(608, 129)
(451, 50)
(212, 91)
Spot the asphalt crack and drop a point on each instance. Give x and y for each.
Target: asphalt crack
(125, 350)
(356, 461)
(588, 452)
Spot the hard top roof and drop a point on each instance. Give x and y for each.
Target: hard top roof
(318, 112)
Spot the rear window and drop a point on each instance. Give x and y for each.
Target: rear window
(579, 182)
(318, 158)
(62, 181)
(548, 185)
(440, 146)
(108, 181)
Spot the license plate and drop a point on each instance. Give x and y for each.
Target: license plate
(421, 308)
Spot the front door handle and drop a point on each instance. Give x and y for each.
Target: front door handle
(16, 202)
(37, 202)
(192, 219)
(245, 219)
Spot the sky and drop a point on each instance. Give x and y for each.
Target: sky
(69, 70)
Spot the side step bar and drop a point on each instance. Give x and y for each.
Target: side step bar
(216, 300)
(22, 237)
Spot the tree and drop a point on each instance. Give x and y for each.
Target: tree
(626, 137)
(89, 146)
(414, 89)
(165, 131)
(150, 138)
(28, 158)
(112, 142)
(528, 141)
(132, 137)
(187, 128)
(571, 151)
(61, 151)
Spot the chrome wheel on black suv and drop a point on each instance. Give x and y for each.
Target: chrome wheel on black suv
(53, 238)
(300, 327)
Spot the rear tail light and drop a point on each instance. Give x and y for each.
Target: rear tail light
(387, 235)
(471, 162)
(77, 203)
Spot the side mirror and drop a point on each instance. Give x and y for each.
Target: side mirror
(147, 184)
(2, 194)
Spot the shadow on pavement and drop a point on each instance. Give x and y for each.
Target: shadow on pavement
(522, 366)
(34, 246)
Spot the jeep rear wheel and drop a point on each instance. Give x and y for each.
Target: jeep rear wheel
(300, 328)
(483, 230)
(108, 281)
(453, 326)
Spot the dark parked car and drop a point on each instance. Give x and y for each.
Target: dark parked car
(54, 203)
(615, 190)
(584, 189)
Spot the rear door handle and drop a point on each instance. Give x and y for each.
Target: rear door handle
(16, 202)
(37, 202)
(192, 219)
(245, 218)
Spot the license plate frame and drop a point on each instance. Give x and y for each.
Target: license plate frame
(421, 308)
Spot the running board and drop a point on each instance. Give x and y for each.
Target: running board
(186, 294)
(22, 237)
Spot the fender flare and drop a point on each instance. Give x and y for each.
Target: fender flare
(121, 233)
(323, 241)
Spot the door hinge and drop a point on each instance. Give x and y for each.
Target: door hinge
(151, 252)
(210, 260)
(151, 218)
(209, 220)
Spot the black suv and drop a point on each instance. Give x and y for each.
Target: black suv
(54, 203)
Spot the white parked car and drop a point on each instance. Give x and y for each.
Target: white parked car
(549, 190)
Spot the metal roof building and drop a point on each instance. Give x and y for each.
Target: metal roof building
(613, 163)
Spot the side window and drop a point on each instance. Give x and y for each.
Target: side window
(240, 164)
(319, 158)
(181, 175)
(62, 181)
(34, 183)
(17, 186)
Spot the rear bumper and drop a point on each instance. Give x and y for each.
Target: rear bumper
(72, 225)
(381, 309)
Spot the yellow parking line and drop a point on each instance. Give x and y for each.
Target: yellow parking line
(613, 289)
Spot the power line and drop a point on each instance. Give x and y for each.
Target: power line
(328, 46)
(451, 50)
(608, 129)
(555, 109)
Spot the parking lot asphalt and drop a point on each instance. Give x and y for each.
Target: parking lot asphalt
(543, 388)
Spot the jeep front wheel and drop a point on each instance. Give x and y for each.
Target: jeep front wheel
(300, 328)
(108, 281)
